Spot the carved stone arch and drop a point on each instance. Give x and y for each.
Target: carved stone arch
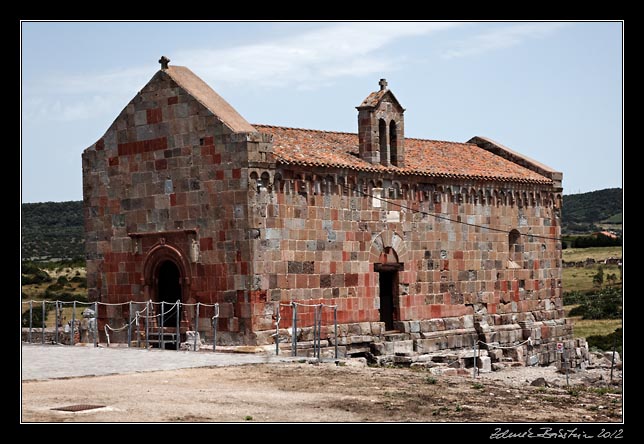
(343, 187)
(388, 239)
(278, 183)
(551, 200)
(253, 181)
(360, 187)
(449, 197)
(404, 191)
(328, 184)
(155, 258)
(511, 198)
(350, 189)
(395, 186)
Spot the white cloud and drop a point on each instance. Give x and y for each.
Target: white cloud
(501, 38)
(308, 60)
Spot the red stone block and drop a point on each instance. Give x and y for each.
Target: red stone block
(100, 145)
(161, 164)
(491, 308)
(173, 100)
(113, 161)
(219, 175)
(236, 173)
(173, 199)
(458, 255)
(435, 310)
(153, 115)
(206, 243)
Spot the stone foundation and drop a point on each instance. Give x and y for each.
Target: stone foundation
(446, 341)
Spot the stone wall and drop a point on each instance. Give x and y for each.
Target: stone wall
(168, 182)
(319, 234)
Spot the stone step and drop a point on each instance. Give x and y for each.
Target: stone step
(396, 336)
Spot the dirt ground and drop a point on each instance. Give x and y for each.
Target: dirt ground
(327, 392)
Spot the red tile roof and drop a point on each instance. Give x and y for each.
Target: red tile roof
(433, 158)
(374, 98)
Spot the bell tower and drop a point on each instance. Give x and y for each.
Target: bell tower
(381, 128)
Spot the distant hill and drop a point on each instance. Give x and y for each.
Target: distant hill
(52, 230)
(592, 211)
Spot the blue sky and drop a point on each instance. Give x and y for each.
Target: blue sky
(550, 90)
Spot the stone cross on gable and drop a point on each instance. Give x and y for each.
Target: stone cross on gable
(383, 84)
(164, 62)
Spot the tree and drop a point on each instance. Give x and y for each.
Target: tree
(598, 279)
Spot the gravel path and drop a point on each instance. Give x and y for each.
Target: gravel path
(59, 361)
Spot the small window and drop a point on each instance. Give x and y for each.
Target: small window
(382, 136)
(515, 248)
(393, 143)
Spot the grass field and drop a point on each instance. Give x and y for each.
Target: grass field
(582, 328)
(597, 253)
(581, 279)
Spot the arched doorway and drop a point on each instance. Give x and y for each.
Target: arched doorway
(167, 275)
(168, 289)
(387, 270)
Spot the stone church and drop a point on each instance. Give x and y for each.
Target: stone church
(427, 244)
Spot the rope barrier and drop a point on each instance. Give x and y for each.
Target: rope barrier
(527, 341)
(308, 305)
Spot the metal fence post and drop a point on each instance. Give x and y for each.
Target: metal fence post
(196, 326)
(612, 361)
(129, 326)
(31, 319)
(147, 325)
(215, 319)
(162, 331)
(335, 329)
(138, 327)
(95, 324)
(474, 356)
(277, 330)
(56, 324)
(178, 305)
(316, 344)
(73, 321)
(294, 330)
(42, 322)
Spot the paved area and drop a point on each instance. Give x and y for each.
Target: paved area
(60, 361)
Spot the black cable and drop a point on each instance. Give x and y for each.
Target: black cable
(498, 230)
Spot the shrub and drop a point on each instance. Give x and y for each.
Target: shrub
(53, 288)
(37, 320)
(31, 274)
(607, 304)
(605, 342)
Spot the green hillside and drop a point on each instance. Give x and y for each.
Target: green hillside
(52, 230)
(587, 212)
